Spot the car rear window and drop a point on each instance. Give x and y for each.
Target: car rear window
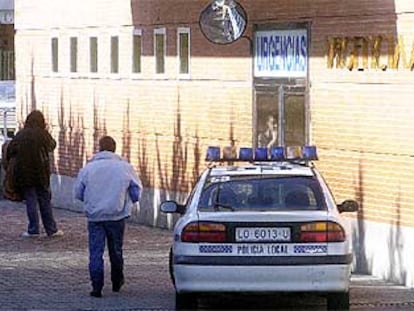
(262, 193)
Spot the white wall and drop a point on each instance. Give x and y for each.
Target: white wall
(146, 212)
(385, 251)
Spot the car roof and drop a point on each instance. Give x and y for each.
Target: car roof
(272, 168)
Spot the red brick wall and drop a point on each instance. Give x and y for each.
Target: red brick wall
(360, 120)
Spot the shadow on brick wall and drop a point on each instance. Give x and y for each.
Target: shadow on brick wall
(398, 272)
(126, 132)
(71, 141)
(99, 124)
(174, 180)
(33, 100)
(362, 264)
(29, 102)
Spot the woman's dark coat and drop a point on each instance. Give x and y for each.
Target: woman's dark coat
(31, 148)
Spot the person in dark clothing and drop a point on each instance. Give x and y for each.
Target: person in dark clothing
(31, 148)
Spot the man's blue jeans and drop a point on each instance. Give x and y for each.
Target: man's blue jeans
(113, 233)
(41, 195)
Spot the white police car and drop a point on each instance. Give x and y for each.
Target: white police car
(270, 225)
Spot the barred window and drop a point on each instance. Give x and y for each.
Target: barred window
(136, 51)
(184, 50)
(114, 54)
(55, 54)
(93, 54)
(159, 46)
(73, 54)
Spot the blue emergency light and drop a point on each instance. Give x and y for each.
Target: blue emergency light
(261, 154)
(309, 153)
(213, 154)
(277, 154)
(246, 154)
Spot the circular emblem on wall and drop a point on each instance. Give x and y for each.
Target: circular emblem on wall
(223, 21)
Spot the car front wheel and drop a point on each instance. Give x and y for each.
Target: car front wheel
(338, 301)
(185, 301)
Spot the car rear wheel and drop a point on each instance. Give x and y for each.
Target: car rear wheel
(338, 301)
(170, 266)
(185, 301)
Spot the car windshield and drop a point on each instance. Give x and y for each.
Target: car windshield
(261, 193)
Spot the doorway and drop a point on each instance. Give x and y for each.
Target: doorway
(280, 115)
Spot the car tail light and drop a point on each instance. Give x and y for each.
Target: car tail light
(204, 232)
(322, 232)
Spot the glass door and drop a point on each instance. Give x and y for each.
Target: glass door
(280, 115)
(294, 120)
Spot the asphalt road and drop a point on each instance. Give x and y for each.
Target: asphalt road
(52, 274)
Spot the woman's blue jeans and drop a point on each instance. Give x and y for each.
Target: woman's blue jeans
(42, 196)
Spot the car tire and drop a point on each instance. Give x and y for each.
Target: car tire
(171, 268)
(185, 301)
(338, 301)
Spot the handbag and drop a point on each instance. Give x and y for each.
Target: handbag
(10, 189)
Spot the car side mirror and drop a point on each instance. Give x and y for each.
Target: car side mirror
(171, 207)
(348, 206)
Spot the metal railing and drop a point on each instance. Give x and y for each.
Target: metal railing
(8, 121)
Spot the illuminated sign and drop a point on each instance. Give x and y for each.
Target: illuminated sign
(281, 53)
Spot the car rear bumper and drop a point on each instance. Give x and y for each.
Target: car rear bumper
(307, 278)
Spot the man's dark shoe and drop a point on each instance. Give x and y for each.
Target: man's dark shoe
(116, 287)
(96, 293)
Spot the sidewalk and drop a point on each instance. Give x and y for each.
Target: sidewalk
(52, 274)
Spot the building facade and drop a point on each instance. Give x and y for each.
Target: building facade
(337, 74)
(7, 70)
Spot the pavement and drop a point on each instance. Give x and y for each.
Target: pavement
(52, 273)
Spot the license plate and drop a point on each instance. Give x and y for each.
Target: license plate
(262, 234)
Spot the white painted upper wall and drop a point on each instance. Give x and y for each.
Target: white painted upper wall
(55, 14)
(403, 6)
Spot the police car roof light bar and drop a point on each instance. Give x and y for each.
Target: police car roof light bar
(261, 154)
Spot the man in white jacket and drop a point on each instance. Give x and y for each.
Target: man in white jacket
(108, 186)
